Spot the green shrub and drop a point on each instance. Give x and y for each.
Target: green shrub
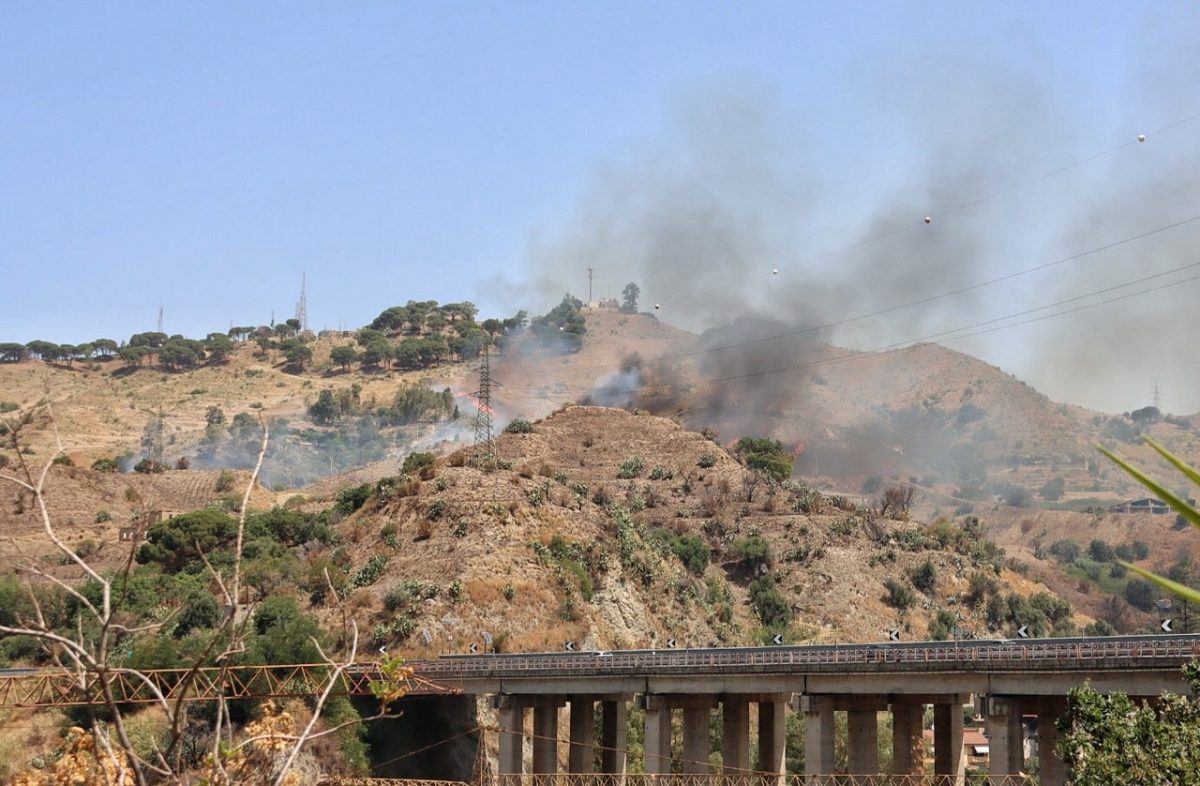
(1065, 550)
(771, 606)
(661, 473)
(766, 456)
(924, 576)
(224, 482)
(518, 426)
(751, 549)
(351, 499)
(707, 460)
(693, 552)
(200, 610)
(899, 595)
(370, 572)
(942, 626)
(105, 465)
(631, 468)
(419, 464)
(1140, 594)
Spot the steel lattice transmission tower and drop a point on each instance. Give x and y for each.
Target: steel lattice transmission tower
(485, 439)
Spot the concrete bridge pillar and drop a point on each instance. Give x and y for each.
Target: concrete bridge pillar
(862, 742)
(1052, 771)
(907, 747)
(1006, 752)
(614, 719)
(696, 719)
(948, 737)
(512, 736)
(545, 737)
(818, 735)
(862, 727)
(581, 755)
(735, 736)
(772, 738)
(658, 735)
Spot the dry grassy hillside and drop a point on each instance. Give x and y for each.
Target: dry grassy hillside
(528, 555)
(102, 408)
(92, 506)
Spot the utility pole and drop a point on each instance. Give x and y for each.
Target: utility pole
(160, 318)
(589, 286)
(1156, 396)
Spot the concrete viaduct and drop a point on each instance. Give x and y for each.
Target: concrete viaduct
(1006, 679)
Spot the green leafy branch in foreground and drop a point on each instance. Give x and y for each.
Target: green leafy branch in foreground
(1189, 512)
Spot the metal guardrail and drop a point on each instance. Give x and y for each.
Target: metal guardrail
(51, 688)
(1136, 653)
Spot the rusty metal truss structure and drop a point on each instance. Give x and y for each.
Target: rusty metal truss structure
(755, 779)
(59, 688)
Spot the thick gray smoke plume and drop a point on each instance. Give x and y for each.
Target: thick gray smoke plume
(617, 388)
(738, 212)
(736, 215)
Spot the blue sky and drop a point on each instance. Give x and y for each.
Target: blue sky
(202, 157)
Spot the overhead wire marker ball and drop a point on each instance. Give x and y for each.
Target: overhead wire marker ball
(656, 307)
(774, 271)
(1141, 137)
(928, 219)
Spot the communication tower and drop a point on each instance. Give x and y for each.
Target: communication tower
(160, 318)
(302, 305)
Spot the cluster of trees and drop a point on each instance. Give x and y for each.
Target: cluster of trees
(562, 327)
(411, 404)
(171, 352)
(417, 335)
(422, 334)
(1101, 557)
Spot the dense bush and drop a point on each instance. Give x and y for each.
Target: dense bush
(351, 499)
(770, 605)
(518, 426)
(924, 576)
(1065, 550)
(693, 552)
(899, 595)
(1140, 594)
(766, 456)
(105, 465)
(752, 549)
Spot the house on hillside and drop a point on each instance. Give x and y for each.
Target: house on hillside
(1143, 505)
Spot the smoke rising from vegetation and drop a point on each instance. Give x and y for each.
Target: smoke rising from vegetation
(736, 189)
(741, 232)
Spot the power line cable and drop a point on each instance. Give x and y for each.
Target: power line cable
(908, 304)
(923, 339)
(987, 197)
